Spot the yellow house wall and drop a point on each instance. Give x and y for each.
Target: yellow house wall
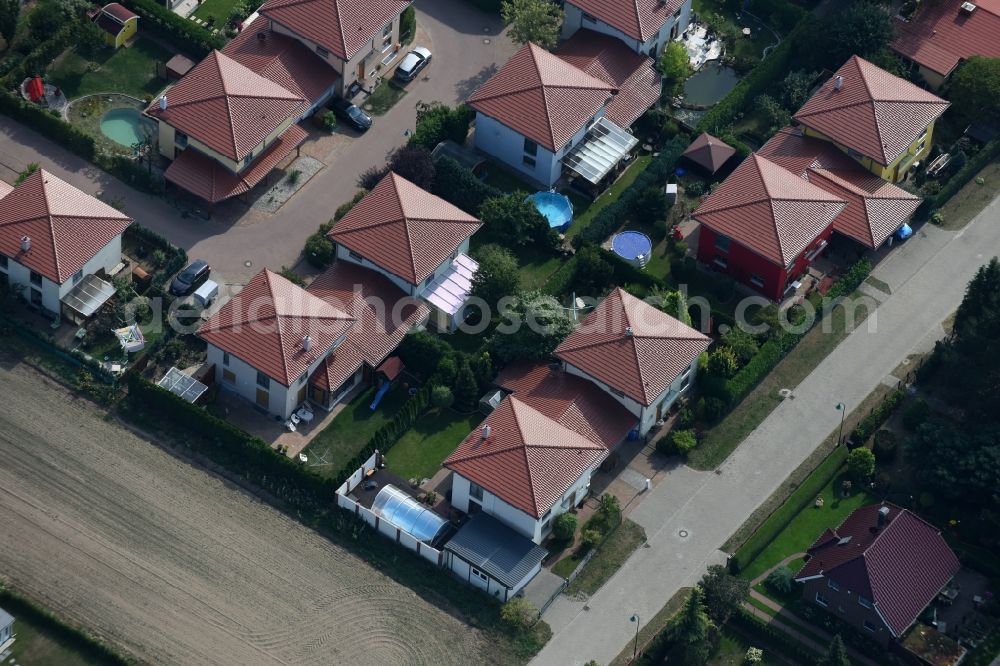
(885, 172)
(168, 136)
(131, 27)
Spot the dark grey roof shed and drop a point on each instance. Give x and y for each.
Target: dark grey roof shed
(496, 550)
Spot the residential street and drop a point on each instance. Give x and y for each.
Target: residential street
(454, 31)
(927, 276)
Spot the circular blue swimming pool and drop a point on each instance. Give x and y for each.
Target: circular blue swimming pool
(632, 246)
(554, 207)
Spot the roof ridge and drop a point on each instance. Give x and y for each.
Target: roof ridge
(393, 179)
(232, 127)
(774, 228)
(545, 99)
(277, 326)
(524, 452)
(638, 20)
(48, 217)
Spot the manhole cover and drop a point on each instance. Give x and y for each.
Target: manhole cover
(683, 534)
(248, 263)
(906, 361)
(586, 608)
(785, 393)
(487, 30)
(486, 41)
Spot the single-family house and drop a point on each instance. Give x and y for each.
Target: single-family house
(883, 122)
(764, 225)
(383, 314)
(878, 570)
(644, 25)
(540, 114)
(875, 208)
(57, 244)
(356, 38)
(269, 339)
(639, 355)
(7, 634)
(117, 23)
(417, 240)
(940, 35)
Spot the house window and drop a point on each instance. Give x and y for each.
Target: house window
(757, 281)
(3, 261)
(479, 574)
(821, 600)
(869, 626)
(721, 262)
(387, 31)
(77, 276)
(530, 161)
(476, 491)
(864, 601)
(36, 279)
(36, 297)
(180, 139)
(354, 255)
(302, 379)
(429, 279)
(322, 52)
(722, 243)
(833, 585)
(263, 380)
(225, 358)
(589, 18)
(686, 382)
(530, 147)
(228, 376)
(855, 154)
(386, 43)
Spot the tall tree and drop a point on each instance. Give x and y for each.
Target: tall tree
(497, 275)
(415, 164)
(864, 28)
(975, 89)
(836, 654)
(9, 11)
(536, 21)
(675, 65)
(512, 220)
(692, 630)
(724, 593)
(530, 329)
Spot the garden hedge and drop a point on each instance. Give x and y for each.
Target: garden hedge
(162, 23)
(752, 625)
(38, 60)
(987, 154)
(875, 418)
(459, 186)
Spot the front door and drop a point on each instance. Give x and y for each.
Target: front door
(301, 398)
(361, 70)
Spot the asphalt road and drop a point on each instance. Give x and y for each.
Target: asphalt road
(467, 47)
(927, 277)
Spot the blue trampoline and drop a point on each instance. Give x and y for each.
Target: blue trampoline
(632, 246)
(554, 207)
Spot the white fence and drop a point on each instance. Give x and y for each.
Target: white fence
(384, 527)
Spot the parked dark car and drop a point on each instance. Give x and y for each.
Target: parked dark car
(352, 114)
(190, 278)
(414, 61)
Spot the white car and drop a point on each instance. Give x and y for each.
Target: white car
(414, 61)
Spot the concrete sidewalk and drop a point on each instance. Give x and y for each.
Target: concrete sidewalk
(689, 514)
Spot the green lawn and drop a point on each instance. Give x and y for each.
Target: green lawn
(37, 647)
(537, 266)
(733, 649)
(617, 548)
(972, 198)
(418, 453)
(384, 98)
(131, 71)
(220, 10)
(507, 179)
(804, 528)
(352, 428)
(583, 218)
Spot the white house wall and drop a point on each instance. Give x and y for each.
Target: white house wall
(503, 143)
(575, 20)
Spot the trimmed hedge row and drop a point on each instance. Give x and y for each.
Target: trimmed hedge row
(162, 23)
(987, 154)
(797, 501)
(874, 420)
(755, 626)
(24, 608)
(459, 186)
(851, 280)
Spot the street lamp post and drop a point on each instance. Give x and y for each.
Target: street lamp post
(842, 408)
(635, 645)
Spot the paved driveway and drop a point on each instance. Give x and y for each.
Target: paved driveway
(927, 278)
(466, 48)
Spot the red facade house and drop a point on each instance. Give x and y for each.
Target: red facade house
(764, 225)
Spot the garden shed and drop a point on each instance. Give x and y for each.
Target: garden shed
(491, 556)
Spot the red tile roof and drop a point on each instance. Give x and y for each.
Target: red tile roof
(206, 178)
(265, 325)
(67, 227)
(227, 106)
(282, 59)
(639, 19)
(940, 34)
(340, 26)
(875, 208)
(709, 152)
(119, 12)
(875, 113)
(541, 96)
(528, 461)
(569, 400)
(900, 567)
(769, 210)
(602, 56)
(404, 229)
(371, 299)
(632, 347)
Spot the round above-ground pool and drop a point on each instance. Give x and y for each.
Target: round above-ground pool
(554, 207)
(632, 246)
(124, 126)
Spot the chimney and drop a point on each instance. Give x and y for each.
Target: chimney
(628, 332)
(486, 431)
(25, 243)
(163, 102)
(883, 516)
(307, 343)
(838, 82)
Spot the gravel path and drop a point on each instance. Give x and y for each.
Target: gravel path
(176, 566)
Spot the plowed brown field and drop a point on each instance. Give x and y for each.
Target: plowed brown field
(174, 565)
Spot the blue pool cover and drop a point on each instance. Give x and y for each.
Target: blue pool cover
(630, 244)
(554, 207)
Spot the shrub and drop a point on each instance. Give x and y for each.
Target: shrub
(319, 250)
(345, 208)
(870, 423)
(915, 414)
(781, 580)
(518, 613)
(722, 362)
(564, 527)
(715, 409)
(442, 397)
(684, 440)
(408, 24)
(328, 121)
(590, 538)
(861, 464)
(414, 163)
(695, 189)
(459, 186)
(513, 221)
(685, 417)
(885, 445)
(437, 122)
(742, 344)
(372, 176)
(294, 176)
(851, 280)
(290, 275)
